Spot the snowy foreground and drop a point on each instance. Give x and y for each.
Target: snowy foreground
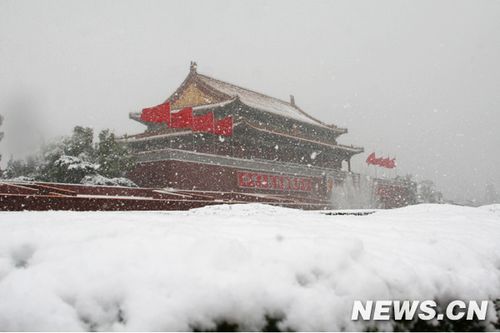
(238, 264)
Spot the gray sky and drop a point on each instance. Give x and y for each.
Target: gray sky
(418, 80)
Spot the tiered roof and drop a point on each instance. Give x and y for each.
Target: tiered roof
(255, 115)
(205, 91)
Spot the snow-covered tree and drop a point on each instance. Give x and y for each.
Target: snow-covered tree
(427, 193)
(80, 143)
(70, 159)
(410, 183)
(77, 159)
(71, 169)
(113, 157)
(21, 168)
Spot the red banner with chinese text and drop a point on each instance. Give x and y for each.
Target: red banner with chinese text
(273, 182)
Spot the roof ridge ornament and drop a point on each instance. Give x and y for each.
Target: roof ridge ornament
(292, 100)
(192, 67)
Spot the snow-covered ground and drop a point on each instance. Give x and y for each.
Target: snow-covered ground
(238, 264)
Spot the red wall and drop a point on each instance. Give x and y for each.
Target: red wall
(199, 176)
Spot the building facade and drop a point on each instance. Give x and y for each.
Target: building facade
(275, 147)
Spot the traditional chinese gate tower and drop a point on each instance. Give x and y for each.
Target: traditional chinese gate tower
(275, 147)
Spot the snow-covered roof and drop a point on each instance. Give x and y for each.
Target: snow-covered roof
(258, 100)
(203, 92)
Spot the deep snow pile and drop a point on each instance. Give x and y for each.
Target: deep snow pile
(238, 264)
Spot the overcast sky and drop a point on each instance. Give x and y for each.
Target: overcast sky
(415, 80)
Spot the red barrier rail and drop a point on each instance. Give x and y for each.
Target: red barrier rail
(38, 196)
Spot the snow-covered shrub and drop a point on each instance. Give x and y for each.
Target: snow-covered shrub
(71, 169)
(22, 179)
(101, 180)
(122, 181)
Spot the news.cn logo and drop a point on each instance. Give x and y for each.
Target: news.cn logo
(424, 310)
